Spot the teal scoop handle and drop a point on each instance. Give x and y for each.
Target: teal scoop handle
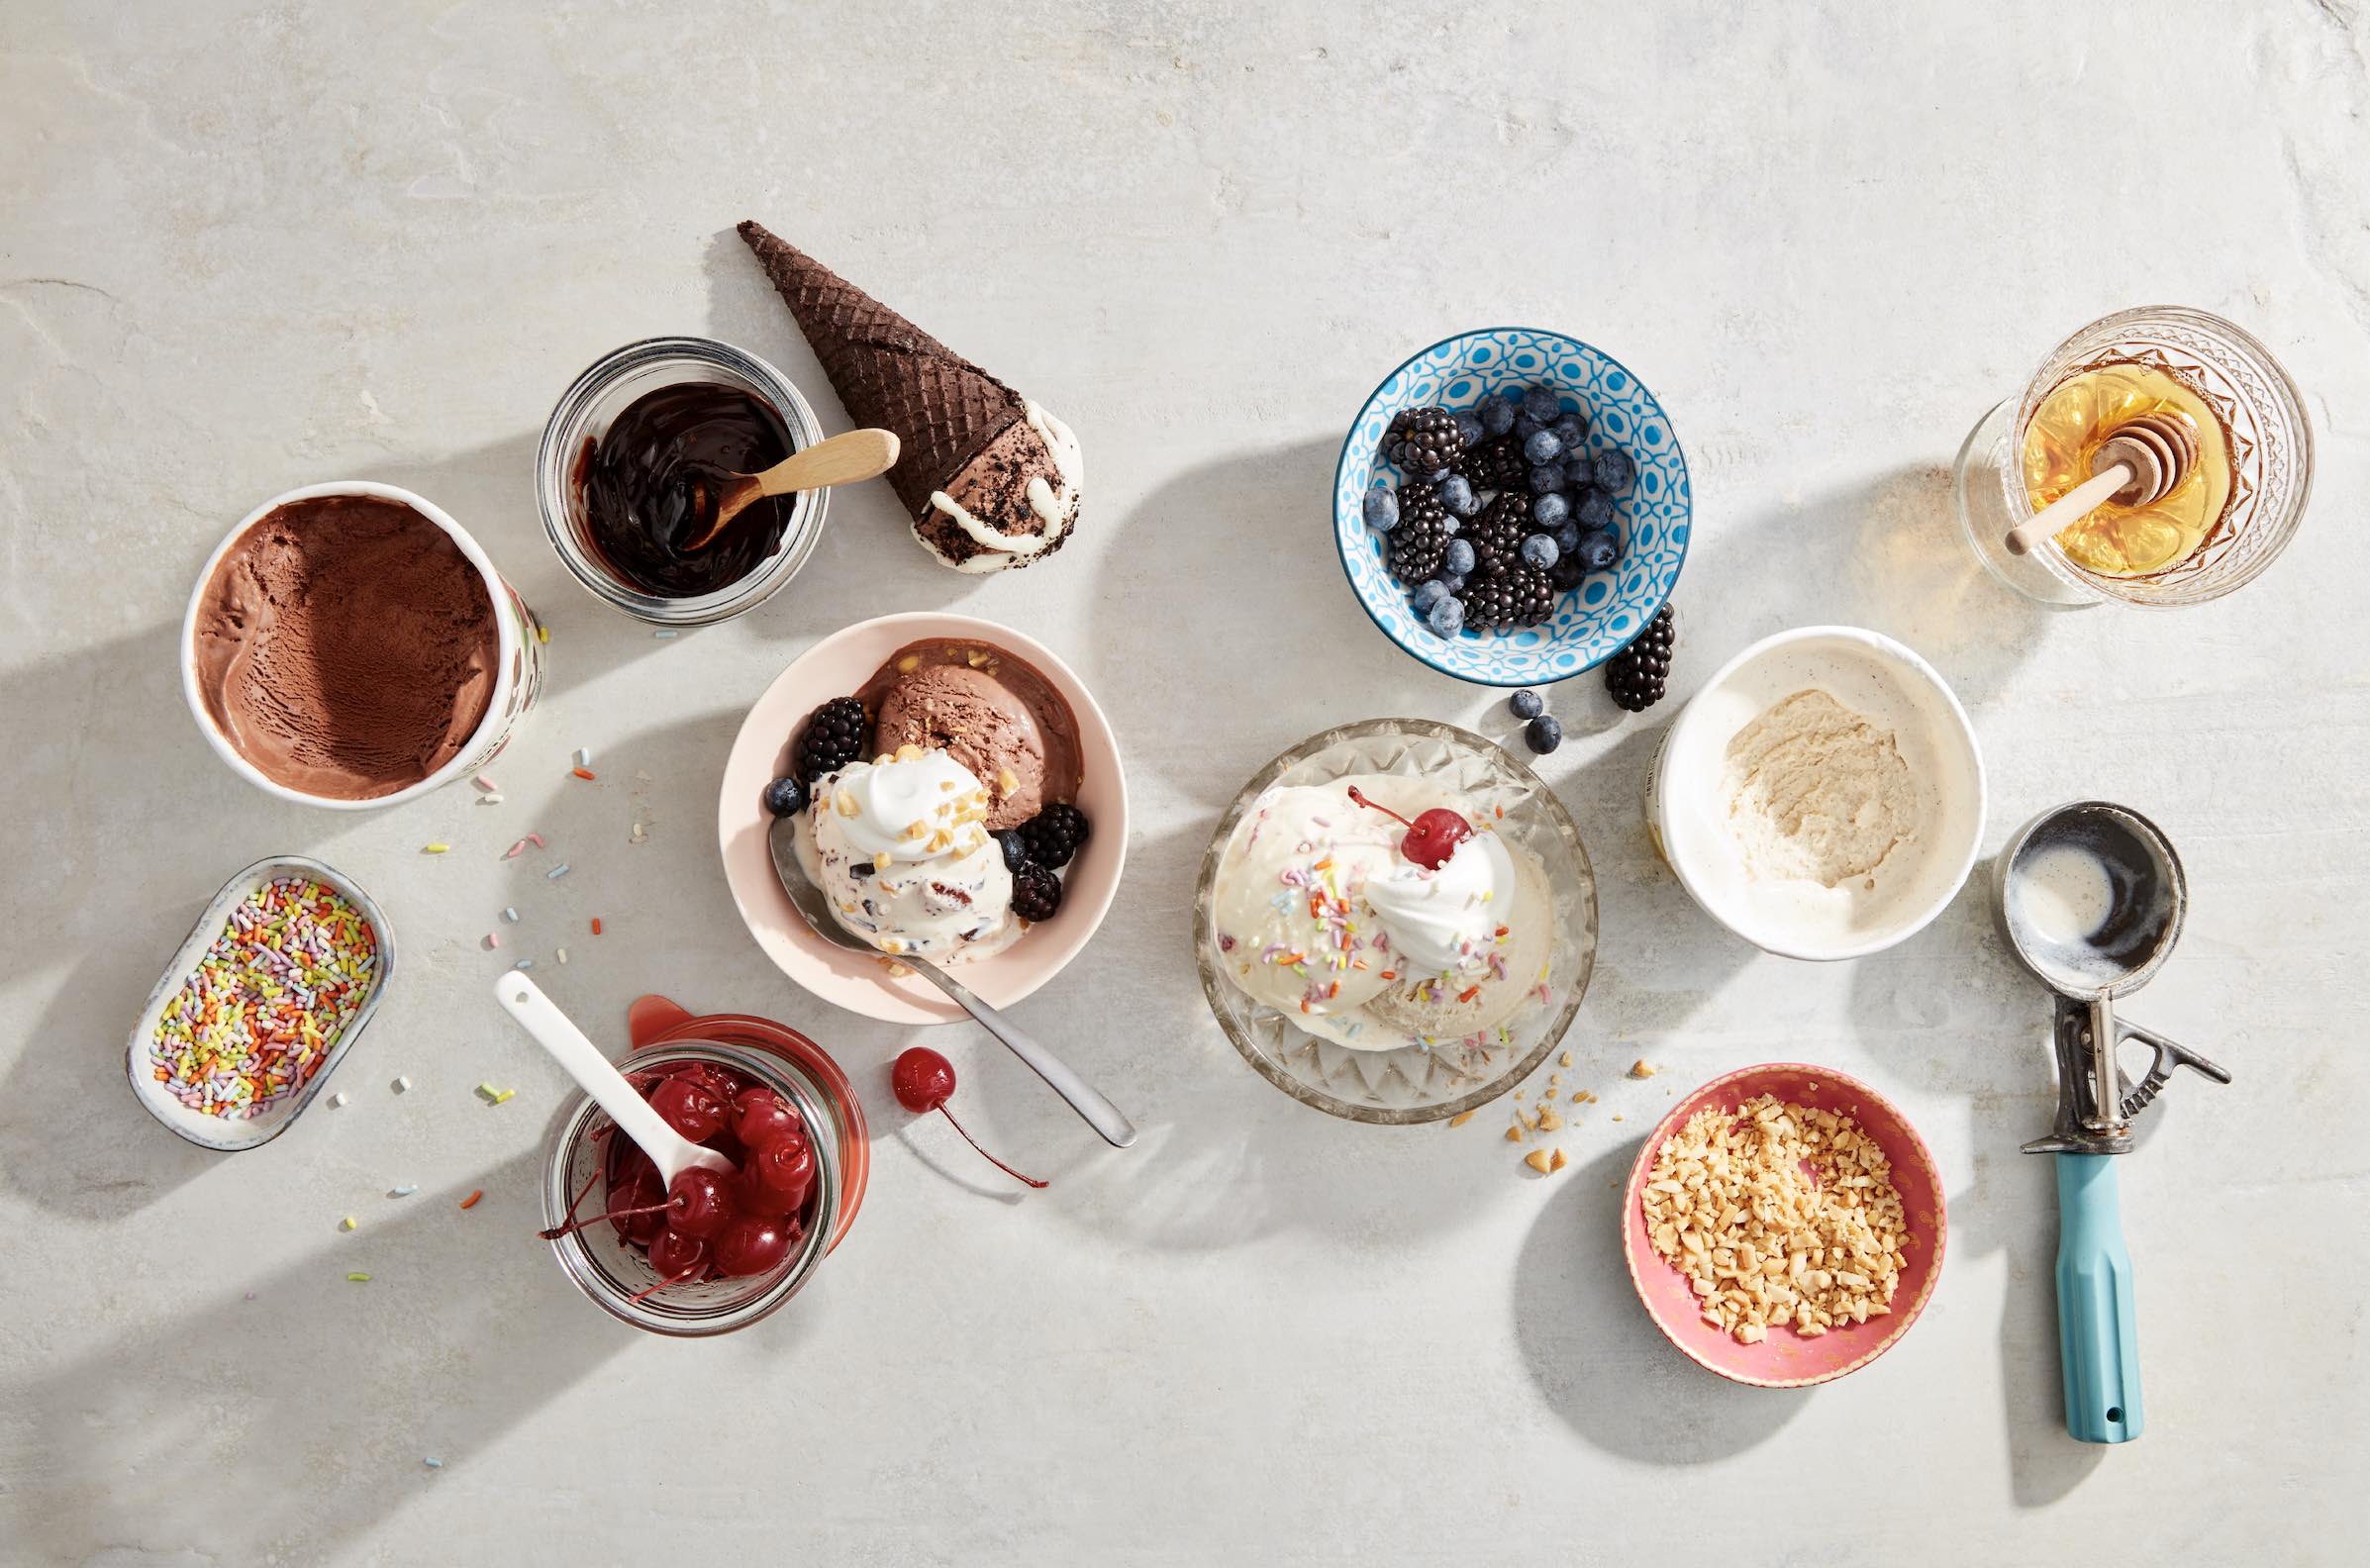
(2098, 1334)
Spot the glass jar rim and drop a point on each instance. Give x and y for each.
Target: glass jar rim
(563, 435)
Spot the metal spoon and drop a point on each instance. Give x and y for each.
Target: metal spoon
(816, 910)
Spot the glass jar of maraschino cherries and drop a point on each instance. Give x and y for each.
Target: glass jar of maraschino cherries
(713, 1251)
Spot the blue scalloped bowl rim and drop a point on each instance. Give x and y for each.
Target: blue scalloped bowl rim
(1656, 517)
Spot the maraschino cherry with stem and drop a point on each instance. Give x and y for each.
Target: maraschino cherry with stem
(923, 1081)
(1431, 838)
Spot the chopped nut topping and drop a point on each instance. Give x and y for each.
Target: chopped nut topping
(1565, 1061)
(1558, 1162)
(845, 804)
(1513, 1135)
(908, 665)
(1642, 1068)
(1540, 1160)
(1007, 780)
(908, 752)
(883, 861)
(1461, 1119)
(1549, 1122)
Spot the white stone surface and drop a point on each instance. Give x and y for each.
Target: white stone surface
(245, 248)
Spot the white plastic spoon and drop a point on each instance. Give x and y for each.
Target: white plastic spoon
(551, 1029)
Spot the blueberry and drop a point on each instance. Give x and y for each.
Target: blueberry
(1567, 538)
(1460, 556)
(1457, 494)
(1542, 446)
(1551, 511)
(1613, 470)
(1595, 510)
(1545, 478)
(1428, 593)
(1497, 416)
(1543, 734)
(1382, 510)
(785, 797)
(1526, 703)
(1571, 430)
(1540, 550)
(1541, 404)
(1565, 574)
(1435, 477)
(1016, 851)
(1447, 618)
(1454, 582)
(1597, 549)
(1468, 425)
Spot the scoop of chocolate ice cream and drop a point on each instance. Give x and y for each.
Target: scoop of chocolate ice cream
(994, 714)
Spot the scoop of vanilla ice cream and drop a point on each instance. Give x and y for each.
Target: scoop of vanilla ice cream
(901, 848)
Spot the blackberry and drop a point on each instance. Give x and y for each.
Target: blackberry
(1494, 464)
(1424, 441)
(1639, 674)
(1513, 596)
(833, 739)
(1566, 574)
(1054, 834)
(1497, 535)
(1421, 536)
(1035, 893)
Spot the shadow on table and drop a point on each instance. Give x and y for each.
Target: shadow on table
(302, 1415)
(1598, 1361)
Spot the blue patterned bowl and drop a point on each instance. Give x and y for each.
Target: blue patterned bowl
(1608, 609)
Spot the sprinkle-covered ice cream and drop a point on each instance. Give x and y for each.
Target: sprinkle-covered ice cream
(1322, 914)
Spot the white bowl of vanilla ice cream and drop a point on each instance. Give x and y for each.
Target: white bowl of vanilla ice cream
(1823, 796)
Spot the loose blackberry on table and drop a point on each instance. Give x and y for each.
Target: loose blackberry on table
(834, 737)
(1639, 674)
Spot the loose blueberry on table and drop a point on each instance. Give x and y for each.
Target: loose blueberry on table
(1500, 509)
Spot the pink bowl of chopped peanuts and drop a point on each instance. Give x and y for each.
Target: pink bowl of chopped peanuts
(1761, 1227)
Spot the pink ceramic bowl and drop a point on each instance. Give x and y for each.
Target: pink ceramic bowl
(834, 667)
(1784, 1361)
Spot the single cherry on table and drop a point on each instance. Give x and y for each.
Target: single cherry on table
(1431, 838)
(923, 1081)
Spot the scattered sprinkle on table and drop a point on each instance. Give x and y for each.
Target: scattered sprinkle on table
(561, 954)
(402, 1085)
(470, 1202)
(536, 839)
(524, 963)
(256, 1018)
(485, 784)
(510, 914)
(543, 633)
(583, 772)
(514, 851)
(350, 1222)
(504, 1097)
(494, 799)
(405, 1191)
(585, 756)
(493, 940)
(434, 1464)
(339, 1098)
(435, 849)
(557, 872)
(663, 637)
(596, 926)
(360, 1279)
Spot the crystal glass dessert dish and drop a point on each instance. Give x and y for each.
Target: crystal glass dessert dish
(2230, 379)
(617, 1276)
(1652, 517)
(1396, 1077)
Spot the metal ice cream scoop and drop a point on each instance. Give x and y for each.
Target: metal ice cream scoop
(816, 910)
(2090, 898)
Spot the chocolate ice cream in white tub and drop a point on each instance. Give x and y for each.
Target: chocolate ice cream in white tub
(350, 646)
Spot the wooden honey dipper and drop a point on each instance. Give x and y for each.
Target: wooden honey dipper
(2139, 464)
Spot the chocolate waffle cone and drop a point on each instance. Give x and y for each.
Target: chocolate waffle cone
(889, 372)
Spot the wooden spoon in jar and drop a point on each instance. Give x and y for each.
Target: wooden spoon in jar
(2137, 465)
(843, 459)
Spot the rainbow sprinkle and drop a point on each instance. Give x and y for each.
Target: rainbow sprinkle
(267, 1002)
